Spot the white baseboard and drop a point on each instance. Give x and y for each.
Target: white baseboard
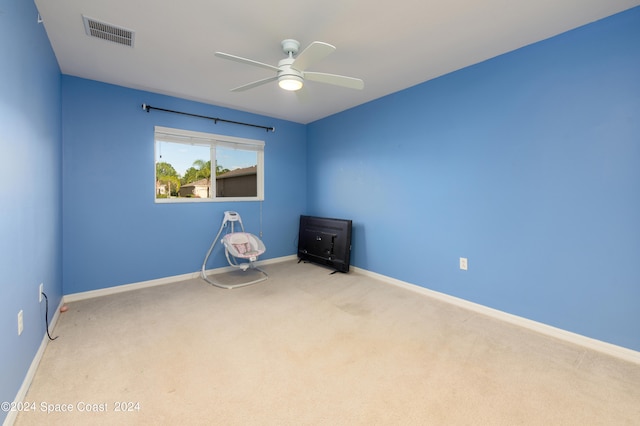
(587, 342)
(578, 339)
(26, 383)
(160, 281)
(12, 415)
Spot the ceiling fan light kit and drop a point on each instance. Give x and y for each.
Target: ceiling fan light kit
(290, 82)
(289, 78)
(291, 72)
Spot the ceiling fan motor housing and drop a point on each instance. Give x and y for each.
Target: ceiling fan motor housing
(289, 78)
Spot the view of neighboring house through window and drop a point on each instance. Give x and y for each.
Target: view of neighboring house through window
(184, 171)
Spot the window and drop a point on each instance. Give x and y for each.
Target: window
(184, 162)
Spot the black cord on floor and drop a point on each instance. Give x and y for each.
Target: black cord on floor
(46, 316)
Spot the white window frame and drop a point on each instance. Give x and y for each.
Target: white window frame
(169, 134)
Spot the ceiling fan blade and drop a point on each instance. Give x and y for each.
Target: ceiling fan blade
(337, 80)
(254, 84)
(313, 53)
(245, 61)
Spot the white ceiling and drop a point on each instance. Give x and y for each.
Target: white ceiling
(391, 46)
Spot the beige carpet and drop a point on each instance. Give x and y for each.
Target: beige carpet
(309, 348)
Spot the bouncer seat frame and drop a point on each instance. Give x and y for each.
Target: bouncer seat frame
(237, 245)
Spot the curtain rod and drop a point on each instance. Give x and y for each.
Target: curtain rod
(215, 119)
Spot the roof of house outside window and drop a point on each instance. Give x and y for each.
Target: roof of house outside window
(239, 172)
(201, 182)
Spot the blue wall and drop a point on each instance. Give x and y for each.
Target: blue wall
(114, 232)
(30, 189)
(527, 164)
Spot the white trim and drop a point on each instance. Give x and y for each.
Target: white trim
(177, 200)
(589, 343)
(190, 137)
(578, 339)
(558, 333)
(26, 383)
(170, 134)
(74, 297)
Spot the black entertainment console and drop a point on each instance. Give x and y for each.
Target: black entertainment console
(325, 241)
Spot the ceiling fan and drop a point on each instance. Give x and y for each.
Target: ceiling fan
(291, 72)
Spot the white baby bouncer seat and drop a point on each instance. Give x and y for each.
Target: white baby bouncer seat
(241, 249)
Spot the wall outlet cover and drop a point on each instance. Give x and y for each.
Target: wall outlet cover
(20, 323)
(463, 263)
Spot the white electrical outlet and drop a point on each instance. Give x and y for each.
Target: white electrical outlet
(40, 291)
(463, 263)
(20, 323)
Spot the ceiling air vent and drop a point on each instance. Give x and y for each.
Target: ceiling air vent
(108, 32)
